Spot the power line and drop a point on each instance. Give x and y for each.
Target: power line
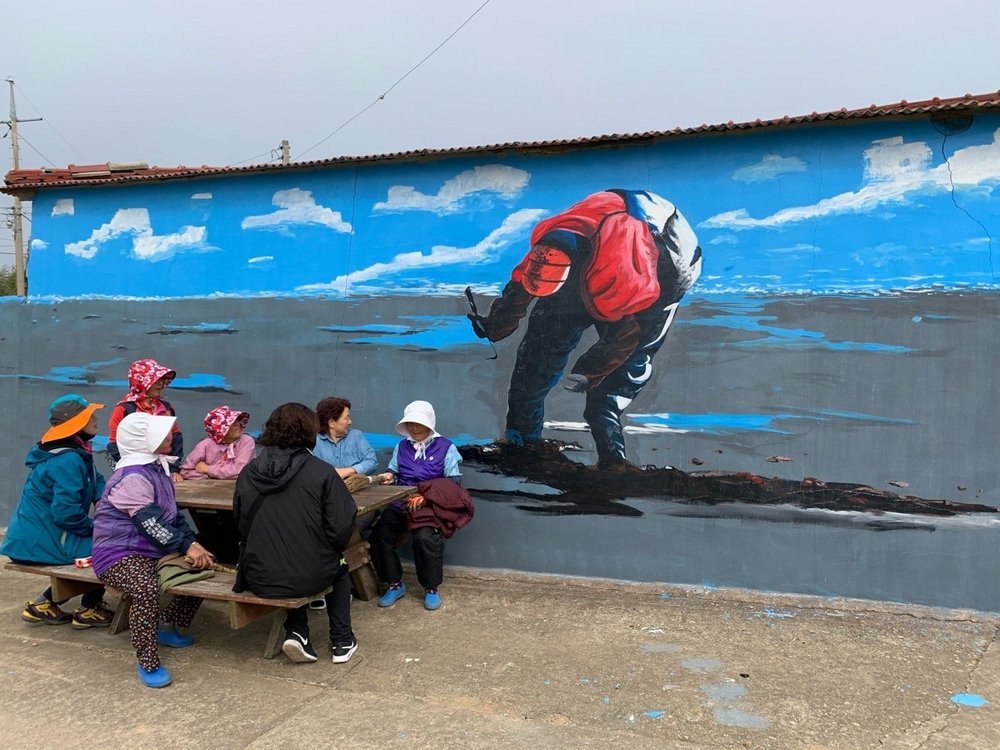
(397, 82)
(36, 150)
(47, 122)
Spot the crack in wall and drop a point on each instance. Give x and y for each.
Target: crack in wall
(954, 199)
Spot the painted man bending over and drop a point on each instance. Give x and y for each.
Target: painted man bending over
(619, 260)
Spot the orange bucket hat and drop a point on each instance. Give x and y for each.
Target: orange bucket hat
(68, 415)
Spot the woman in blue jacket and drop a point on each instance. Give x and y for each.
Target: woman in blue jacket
(52, 523)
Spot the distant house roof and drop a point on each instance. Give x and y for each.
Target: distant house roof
(25, 182)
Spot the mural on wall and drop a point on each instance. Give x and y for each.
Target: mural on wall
(618, 261)
(828, 252)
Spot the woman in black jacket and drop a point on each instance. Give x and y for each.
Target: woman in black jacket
(295, 517)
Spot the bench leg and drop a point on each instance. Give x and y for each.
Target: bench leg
(119, 622)
(277, 635)
(63, 588)
(362, 576)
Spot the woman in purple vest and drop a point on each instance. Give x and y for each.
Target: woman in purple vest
(422, 456)
(135, 524)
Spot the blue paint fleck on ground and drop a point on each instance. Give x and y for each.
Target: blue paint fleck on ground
(726, 691)
(701, 665)
(733, 717)
(653, 714)
(605, 699)
(969, 699)
(664, 595)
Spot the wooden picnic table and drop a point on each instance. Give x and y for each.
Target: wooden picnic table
(210, 502)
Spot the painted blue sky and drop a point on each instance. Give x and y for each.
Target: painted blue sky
(870, 208)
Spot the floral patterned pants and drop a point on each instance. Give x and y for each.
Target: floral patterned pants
(136, 576)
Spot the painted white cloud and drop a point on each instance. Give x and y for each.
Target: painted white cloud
(297, 206)
(770, 167)
(63, 207)
(148, 246)
(490, 179)
(261, 259)
(893, 170)
(145, 244)
(39, 244)
(201, 197)
(512, 229)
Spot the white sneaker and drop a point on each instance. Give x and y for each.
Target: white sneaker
(297, 648)
(317, 604)
(344, 651)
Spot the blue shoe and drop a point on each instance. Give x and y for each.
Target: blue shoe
(168, 636)
(432, 599)
(393, 595)
(158, 678)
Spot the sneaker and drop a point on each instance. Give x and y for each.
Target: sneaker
(432, 599)
(45, 612)
(317, 604)
(168, 636)
(297, 648)
(393, 595)
(344, 651)
(93, 617)
(158, 678)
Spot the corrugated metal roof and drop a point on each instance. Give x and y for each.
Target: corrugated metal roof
(26, 181)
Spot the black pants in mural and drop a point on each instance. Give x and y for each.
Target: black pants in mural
(428, 550)
(554, 329)
(338, 611)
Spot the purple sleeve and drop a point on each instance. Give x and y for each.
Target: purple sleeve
(131, 494)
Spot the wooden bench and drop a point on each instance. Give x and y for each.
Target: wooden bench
(68, 581)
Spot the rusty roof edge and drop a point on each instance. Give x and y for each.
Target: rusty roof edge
(22, 184)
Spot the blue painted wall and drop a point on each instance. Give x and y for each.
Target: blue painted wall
(845, 318)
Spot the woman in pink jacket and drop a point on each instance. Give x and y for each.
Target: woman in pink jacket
(226, 450)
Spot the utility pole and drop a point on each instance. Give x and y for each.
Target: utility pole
(284, 152)
(18, 234)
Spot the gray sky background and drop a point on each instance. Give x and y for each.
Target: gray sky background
(218, 82)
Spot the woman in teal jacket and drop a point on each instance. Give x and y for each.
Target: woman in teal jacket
(52, 524)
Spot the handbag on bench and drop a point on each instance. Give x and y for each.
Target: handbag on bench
(175, 569)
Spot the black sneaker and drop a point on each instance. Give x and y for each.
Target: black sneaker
(297, 648)
(344, 651)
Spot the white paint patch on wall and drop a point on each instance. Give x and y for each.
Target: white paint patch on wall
(63, 207)
(39, 244)
(297, 206)
(512, 228)
(893, 170)
(145, 244)
(201, 197)
(769, 168)
(491, 179)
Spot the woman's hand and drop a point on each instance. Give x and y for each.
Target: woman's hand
(176, 476)
(199, 556)
(413, 502)
(386, 478)
(202, 468)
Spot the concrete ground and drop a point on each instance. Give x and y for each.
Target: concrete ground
(517, 661)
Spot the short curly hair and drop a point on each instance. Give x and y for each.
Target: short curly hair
(331, 407)
(291, 425)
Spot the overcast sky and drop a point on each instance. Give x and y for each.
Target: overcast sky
(219, 82)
